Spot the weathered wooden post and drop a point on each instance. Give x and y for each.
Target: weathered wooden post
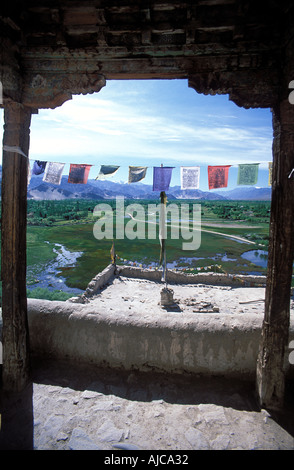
(275, 331)
(15, 339)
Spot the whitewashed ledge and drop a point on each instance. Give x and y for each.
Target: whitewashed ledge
(163, 341)
(81, 331)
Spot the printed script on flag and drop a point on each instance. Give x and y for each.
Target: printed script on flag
(218, 176)
(78, 173)
(53, 172)
(190, 177)
(248, 174)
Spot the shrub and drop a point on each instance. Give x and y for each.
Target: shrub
(46, 294)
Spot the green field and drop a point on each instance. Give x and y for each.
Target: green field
(70, 224)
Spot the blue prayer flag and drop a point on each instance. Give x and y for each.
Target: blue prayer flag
(161, 178)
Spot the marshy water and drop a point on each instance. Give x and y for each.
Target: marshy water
(257, 257)
(49, 275)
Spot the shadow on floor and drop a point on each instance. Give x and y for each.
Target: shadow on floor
(184, 388)
(285, 417)
(17, 419)
(17, 425)
(150, 385)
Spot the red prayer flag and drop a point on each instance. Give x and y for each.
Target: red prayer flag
(78, 174)
(218, 176)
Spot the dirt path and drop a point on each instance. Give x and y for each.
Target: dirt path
(226, 235)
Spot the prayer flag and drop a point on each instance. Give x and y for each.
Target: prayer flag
(137, 173)
(112, 253)
(53, 172)
(78, 174)
(29, 175)
(190, 177)
(38, 167)
(218, 176)
(161, 178)
(270, 169)
(248, 174)
(106, 170)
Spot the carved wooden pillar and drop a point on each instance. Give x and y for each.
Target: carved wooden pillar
(274, 341)
(15, 337)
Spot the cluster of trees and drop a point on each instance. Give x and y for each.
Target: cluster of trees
(240, 210)
(51, 212)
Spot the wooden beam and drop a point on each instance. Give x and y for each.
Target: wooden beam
(275, 331)
(15, 373)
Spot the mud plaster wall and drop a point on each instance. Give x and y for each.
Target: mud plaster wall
(198, 344)
(174, 277)
(202, 343)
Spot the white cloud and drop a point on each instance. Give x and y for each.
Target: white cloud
(133, 123)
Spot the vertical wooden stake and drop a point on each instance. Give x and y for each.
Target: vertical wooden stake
(15, 338)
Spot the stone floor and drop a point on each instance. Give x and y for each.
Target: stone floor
(71, 407)
(82, 407)
(127, 295)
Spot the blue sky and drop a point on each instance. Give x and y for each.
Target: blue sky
(153, 122)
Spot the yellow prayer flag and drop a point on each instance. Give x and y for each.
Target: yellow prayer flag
(270, 173)
(112, 253)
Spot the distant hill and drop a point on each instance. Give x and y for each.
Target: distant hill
(104, 189)
(248, 193)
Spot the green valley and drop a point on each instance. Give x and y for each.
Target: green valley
(64, 230)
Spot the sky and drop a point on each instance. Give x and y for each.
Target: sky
(149, 123)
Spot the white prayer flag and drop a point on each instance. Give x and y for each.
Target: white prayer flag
(29, 173)
(53, 172)
(190, 177)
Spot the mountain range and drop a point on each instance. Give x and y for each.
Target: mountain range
(105, 189)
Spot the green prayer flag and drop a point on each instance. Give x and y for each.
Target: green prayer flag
(137, 173)
(106, 170)
(248, 174)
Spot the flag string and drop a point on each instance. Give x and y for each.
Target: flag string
(190, 175)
